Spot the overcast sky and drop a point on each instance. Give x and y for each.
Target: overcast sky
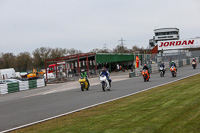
(88, 24)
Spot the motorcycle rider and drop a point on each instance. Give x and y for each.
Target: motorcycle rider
(105, 73)
(193, 60)
(146, 67)
(84, 74)
(174, 64)
(163, 65)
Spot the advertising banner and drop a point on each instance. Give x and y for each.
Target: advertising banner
(179, 44)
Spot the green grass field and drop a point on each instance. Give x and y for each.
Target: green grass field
(172, 108)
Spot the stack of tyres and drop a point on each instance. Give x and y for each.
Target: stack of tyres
(13, 87)
(32, 84)
(40, 83)
(3, 89)
(24, 85)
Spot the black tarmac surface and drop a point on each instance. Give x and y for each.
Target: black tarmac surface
(17, 109)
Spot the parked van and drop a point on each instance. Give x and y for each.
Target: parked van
(7, 73)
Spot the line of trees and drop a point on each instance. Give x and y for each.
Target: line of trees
(26, 61)
(122, 49)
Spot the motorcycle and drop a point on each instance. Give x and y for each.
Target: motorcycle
(84, 84)
(173, 71)
(105, 83)
(194, 64)
(145, 75)
(161, 69)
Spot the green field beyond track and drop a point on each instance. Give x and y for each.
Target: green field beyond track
(172, 108)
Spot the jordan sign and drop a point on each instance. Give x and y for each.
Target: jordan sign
(179, 44)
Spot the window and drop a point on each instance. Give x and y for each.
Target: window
(166, 33)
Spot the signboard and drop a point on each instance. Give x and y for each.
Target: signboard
(179, 44)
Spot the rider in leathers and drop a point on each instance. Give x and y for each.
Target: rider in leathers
(105, 73)
(146, 67)
(163, 65)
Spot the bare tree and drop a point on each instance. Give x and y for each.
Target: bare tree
(58, 52)
(121, 49)
(8, 60)
(40, 55)
(101, 50)
(24, 62)
(73, 51)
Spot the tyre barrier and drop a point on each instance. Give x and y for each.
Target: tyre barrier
(3, 89)
(21, 86)
(32, 84)
(13, 87)
(24, 85)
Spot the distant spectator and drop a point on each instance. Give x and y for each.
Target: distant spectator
(117, 67)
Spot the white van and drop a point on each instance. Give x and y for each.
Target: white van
(7, 73)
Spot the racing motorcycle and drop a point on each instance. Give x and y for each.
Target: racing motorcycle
(194, 65)
(84, 84)
(173, 71)
(145, 75)
(105, 83)
(161, 69)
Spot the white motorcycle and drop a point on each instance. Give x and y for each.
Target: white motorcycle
(105, 83)
(161, 69)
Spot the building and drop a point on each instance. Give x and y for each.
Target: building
(164, 34)
(92, 62)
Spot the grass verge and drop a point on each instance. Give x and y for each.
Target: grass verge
(170, 108)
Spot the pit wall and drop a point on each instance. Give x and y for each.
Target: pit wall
(21, 86)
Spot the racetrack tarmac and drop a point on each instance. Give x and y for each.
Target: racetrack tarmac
(34, 105)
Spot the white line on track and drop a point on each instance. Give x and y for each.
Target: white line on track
(92, 105)
(49, 92)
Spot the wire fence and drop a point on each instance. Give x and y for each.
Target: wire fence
(168, 56)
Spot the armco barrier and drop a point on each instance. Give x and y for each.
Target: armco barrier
(21, 86)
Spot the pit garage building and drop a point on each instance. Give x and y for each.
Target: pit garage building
(92, 62)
